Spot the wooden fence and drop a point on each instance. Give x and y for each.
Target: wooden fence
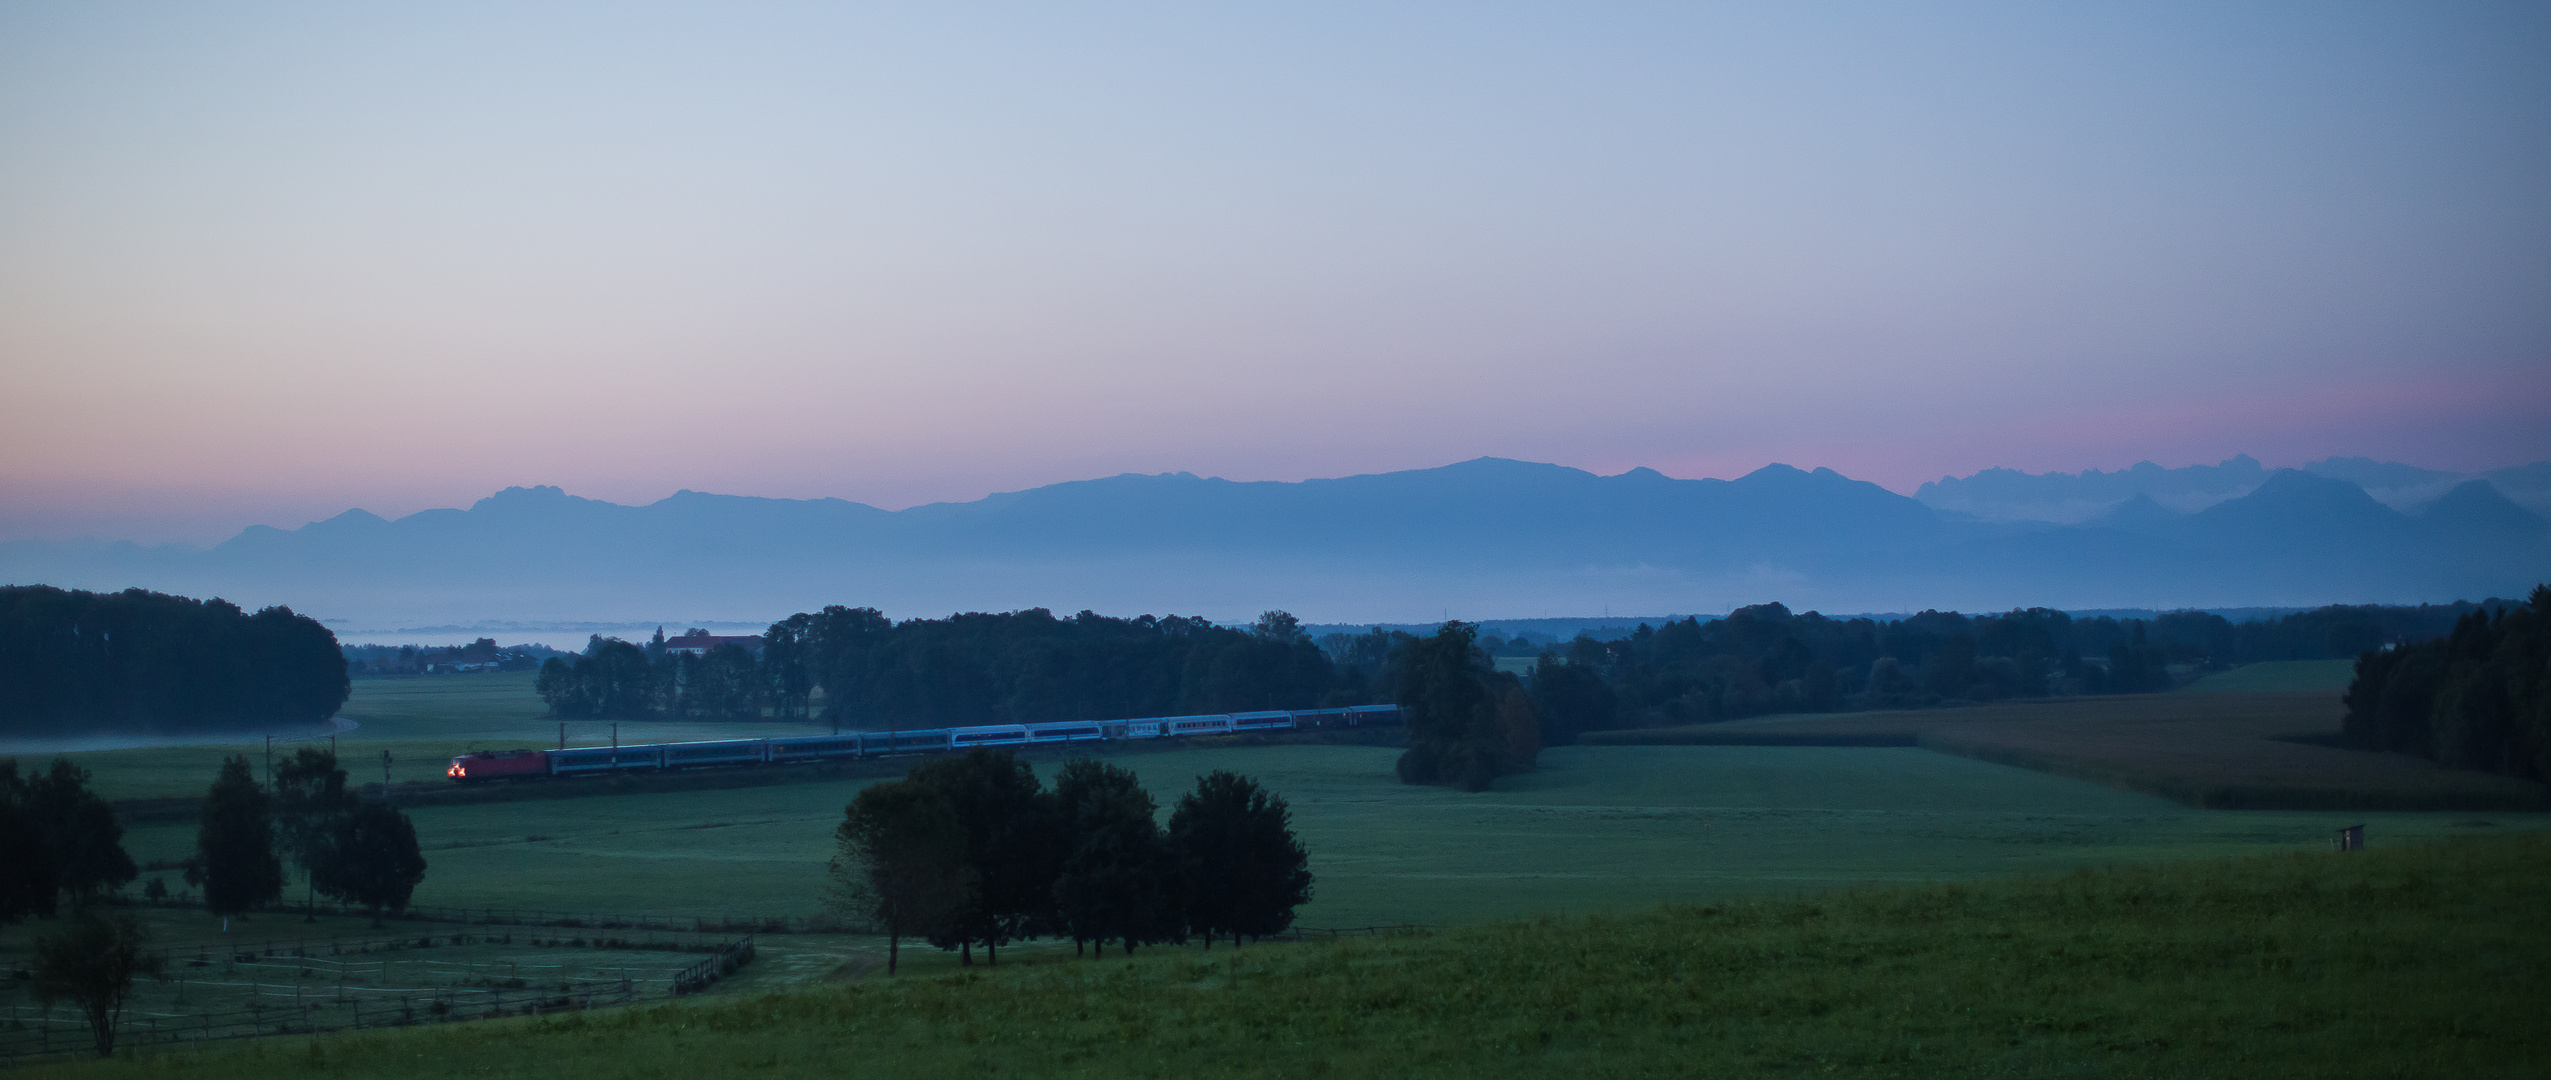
(29, 1033)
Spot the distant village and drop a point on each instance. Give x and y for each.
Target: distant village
(398, 661)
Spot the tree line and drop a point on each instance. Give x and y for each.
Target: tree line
(1468, 720)
(75, 661)
(859, 669)
(972, 849)
(616, 680)
(2478, 697)
(1765, 659)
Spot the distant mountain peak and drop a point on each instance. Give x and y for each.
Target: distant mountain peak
(2292, 500)
(1778, 471)
(2479, 505)
(2138, 513)
(536, 495)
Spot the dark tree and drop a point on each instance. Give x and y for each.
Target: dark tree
(91, 962)
(373, 859)
(900, 863)
(310, 805)
(28, 880)
(613, 680)
(80, 846)
(1571, 699)
(561, 689)
(1117, 881)
(73, 661)
(1243, 870)
(787, 681)
(235, 858)
(1010, 847)
(1466, 725)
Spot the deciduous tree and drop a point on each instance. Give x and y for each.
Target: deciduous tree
(899, 863)
(372, 859)
(1118, 881)
(1243, 869)
(91, 962)
(310, 803)
(1010, 846)
(235, 859)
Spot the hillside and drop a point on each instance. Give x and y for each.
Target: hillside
(2420, 961)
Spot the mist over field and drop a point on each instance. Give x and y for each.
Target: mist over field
(1482, 539)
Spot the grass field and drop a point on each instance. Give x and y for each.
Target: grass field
(2220, 750)
(2419, 961)
(2278, 676)
(1596, 828)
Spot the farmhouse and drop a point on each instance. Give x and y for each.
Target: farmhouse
(698, 642)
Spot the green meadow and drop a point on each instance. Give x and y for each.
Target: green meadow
(2418, 961)
(1595, 828)
(1625, 909)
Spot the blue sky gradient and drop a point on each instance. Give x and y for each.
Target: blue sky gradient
(262, 262)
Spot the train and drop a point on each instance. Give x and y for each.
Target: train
(794, 749)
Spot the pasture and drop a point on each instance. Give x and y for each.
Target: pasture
(2423, 960)
(1598, 827)
(2261, 751)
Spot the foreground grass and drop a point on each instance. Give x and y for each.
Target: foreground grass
(2423, 961)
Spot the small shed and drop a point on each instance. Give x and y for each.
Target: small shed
(2351, 838)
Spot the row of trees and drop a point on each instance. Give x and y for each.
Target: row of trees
(1765, 659)
(973, 668)
(76, 662)
(2476, 698)
(616, 680)
(972, 850)
(352, 851)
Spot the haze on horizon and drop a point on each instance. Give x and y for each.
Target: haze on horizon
(262, 263)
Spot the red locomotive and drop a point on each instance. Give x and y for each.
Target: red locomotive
(498, 765)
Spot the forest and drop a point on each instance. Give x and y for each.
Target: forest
(79, 662)
(2476, 698)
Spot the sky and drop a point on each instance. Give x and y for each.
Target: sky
(264, 262)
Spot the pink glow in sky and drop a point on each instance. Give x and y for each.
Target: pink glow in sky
(260, 263)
